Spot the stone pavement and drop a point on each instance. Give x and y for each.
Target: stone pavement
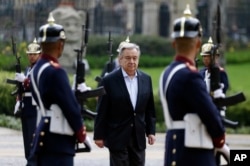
(12, 152)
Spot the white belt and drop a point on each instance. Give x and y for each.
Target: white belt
(48, 113)
(177, 125)
(27, 94)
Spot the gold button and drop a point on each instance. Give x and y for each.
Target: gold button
(41, 143)
(132, 125)
(174, 151)
(173, 163)
(42, 133)
(46, 120)
(174, 136)
(134, 114)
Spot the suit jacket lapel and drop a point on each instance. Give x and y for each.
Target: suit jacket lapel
(122, 86)
(140, 88)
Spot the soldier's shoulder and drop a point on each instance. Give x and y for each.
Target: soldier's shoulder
(221, 68)
(111, 75)
(55, 65)
(191, 67)
(203, 69)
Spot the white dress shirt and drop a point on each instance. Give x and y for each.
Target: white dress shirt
(132, 86)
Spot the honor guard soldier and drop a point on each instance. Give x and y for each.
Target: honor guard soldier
(51, 82)
(186, 104)
(28, 112)
(206, 53)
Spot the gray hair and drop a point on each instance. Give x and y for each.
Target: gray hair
(129, 46)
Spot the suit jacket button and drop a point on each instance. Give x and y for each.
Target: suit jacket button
(132, 125)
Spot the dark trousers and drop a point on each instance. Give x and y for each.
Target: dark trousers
(130, 156)
(183, 156)
(55, 160)
(28, 129)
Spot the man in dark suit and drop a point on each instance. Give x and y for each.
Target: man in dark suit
(126, 113)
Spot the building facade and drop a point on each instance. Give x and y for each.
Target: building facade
(147, 17)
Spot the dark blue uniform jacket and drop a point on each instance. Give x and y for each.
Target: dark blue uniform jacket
(223, 78)
(187, 93)
(29, 107)
(54, 88)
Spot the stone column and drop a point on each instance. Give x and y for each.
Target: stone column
(130, 15)
(150, 18)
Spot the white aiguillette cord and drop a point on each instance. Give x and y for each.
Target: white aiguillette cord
(42, 109)
(168, 119)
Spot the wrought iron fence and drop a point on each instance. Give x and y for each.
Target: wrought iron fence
(23, 18)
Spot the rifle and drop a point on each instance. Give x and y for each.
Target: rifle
(80, 78)
(110, 65)
(215, 75)
(19, 87)
(215, 83)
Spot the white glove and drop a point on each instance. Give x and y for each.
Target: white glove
(16, 109)
(88, 142)
(20, 77)
(218, 93)
(83, 87)
(222, 86)
(223, 111)
(106, 74)
(225, 150)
